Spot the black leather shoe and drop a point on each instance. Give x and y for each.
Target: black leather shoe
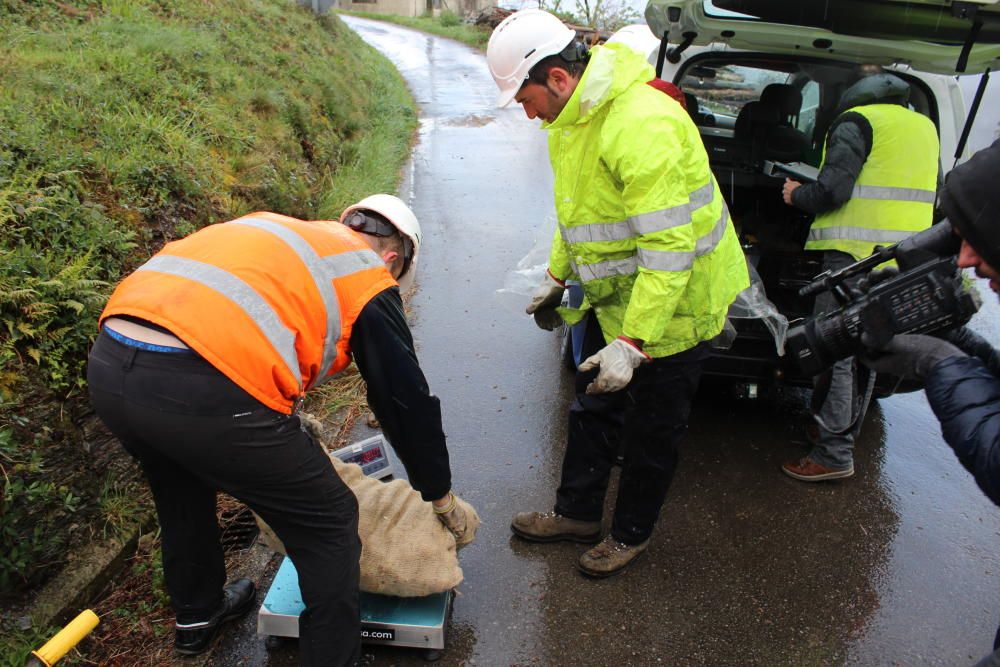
(237, 599)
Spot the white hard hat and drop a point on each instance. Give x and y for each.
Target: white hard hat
(399, 214)
(520, 41)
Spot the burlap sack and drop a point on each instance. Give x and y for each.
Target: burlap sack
(405, 550)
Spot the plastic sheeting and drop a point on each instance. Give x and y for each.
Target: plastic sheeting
(752, 303)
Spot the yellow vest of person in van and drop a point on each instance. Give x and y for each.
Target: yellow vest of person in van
(893, 197)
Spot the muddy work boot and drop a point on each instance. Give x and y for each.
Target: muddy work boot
(193, 637)
(552, 527)
(610, 557)
(807, 470)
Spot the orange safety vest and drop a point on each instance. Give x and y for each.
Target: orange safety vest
(268, 300)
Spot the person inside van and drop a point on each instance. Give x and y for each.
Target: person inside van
(876, 186)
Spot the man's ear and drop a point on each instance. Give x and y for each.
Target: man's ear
(560, 79)
(390, 256)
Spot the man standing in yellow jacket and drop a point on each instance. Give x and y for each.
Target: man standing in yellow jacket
(644, 228)
(876, 186)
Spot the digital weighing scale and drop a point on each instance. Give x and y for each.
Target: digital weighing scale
(413, 622)
(393, 621)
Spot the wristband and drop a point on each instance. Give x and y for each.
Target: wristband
(630, 341)
(561, 283)
(448, 507)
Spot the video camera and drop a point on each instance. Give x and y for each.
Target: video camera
(926, 296)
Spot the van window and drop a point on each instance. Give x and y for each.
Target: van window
(724, 90)
(806, 121)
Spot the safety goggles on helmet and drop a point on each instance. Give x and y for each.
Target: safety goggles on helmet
(369, 222)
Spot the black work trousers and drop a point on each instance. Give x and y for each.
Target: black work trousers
(195, 432)
(645, 421)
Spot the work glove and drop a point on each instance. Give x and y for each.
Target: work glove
(617, 361)
(455, 515)
(544, 301)
(910, 356)
(877, 276)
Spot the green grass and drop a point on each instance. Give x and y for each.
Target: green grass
(125, 124)
(448, 24)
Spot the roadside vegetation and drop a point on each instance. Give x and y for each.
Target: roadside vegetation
(125, 124)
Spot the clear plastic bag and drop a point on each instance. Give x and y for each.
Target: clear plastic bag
(752, 303)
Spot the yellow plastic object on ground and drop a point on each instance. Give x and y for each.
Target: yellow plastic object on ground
(65, 639)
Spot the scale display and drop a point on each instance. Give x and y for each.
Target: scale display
(372, 454)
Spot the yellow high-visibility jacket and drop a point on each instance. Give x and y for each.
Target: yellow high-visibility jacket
(641, 221)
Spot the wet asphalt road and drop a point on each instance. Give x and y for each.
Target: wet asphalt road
(895, 566)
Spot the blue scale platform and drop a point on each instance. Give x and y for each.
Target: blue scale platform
(415, 622)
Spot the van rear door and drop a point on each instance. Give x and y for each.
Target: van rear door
(938, 36)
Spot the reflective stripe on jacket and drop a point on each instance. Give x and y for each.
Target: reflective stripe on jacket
(894, 194)
(642, 222)
(267, 299)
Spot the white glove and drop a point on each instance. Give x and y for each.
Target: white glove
(547, 295)
(616, 361)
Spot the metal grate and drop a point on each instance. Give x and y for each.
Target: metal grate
(239, 530)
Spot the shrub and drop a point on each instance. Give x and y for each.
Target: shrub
(449, 18)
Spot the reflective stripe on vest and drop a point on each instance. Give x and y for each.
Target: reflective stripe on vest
(893, 194)
(876, 236)
(657, 260)
(646, 223)
(323, 272)
(237, 291)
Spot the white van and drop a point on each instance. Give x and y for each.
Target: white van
(723, 54)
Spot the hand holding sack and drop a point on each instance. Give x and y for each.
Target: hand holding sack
(617, 361)
(455, 515)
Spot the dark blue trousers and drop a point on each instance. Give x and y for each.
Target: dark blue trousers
(194, 432)
(644, 423)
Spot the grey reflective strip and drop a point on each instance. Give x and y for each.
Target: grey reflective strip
(665, 260)
(893, 194)
(645, 223)
(703, 196)
(708, 242)
(321, 279)
(347, 263)
(657, 221)
(282, 338)
(858, 234)
(612, 267)
(598, 231)
(659, 260)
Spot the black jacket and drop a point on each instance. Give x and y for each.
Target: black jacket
(409, 414)
(965, 396)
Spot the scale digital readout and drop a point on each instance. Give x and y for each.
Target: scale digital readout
(372, 454)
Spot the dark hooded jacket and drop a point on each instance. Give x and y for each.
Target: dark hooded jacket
(965, 396)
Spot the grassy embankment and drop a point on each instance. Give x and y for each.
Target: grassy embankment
(125, 124)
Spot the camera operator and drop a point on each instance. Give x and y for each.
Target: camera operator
(963, 389)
